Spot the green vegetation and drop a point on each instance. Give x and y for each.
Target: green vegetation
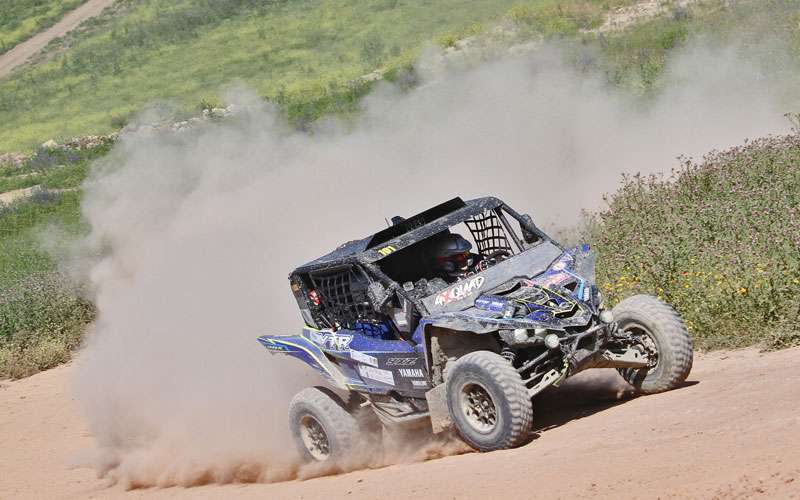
(636, 57)
(42, 320)
(50, 169)
(719, 240)
(307, 56)
(560, 18)
(21, 19)
(42, 313)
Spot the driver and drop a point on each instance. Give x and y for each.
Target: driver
(452, 257)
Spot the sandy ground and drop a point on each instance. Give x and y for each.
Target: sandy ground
(733, 431)
(30, 47)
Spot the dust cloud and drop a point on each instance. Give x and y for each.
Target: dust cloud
(193, 233)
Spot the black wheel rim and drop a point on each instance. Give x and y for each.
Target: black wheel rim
(645, 341)
(314, 438)
(478, 408)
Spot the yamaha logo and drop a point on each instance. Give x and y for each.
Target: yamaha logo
(411, 372)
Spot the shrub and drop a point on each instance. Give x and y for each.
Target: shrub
(209, 103)
(720, 240)
(41, 322)
(119, 121)
(447, 40)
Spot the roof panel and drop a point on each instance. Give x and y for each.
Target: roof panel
(422, 225)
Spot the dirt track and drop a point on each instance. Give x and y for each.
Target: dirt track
(732, 432)
(22, 52)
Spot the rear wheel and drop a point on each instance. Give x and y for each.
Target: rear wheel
(323, 428)
(488, 402)
(659, 333)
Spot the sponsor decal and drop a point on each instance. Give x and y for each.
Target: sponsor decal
(384, 376)
(553, 279)
(331, 341)
(363, 358)
(419, 383)
(386, 250)
(459, 291)
(563, 262)
(401, 361)
(276, 347)
(411, 372)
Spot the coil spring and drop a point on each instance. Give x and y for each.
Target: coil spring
(508, 354)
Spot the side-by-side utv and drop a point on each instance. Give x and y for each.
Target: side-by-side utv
(456, 318)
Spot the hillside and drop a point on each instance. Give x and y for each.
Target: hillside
(187, 51)
(143, 253)
(308, 57)
(308, 61)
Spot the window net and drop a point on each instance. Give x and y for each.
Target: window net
(488, 232)
(343, 298)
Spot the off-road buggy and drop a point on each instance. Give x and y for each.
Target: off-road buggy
(412, 348)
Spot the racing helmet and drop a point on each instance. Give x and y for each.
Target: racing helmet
(451, 254)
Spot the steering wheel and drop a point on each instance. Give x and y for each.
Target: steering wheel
(492, 259)
(499, 253)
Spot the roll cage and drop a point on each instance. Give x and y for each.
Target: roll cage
(358, 284)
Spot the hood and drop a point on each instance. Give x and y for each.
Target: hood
(563, 295)
(461, 295)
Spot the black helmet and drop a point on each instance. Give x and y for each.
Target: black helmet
(451, 253)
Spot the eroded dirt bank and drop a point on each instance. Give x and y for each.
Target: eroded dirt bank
(732, 432)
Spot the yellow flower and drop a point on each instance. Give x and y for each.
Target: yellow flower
(742, 290)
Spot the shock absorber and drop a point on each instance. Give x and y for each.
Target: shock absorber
(508, 354)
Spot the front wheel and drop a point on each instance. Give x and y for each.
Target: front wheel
(660, 333)
(488, 402)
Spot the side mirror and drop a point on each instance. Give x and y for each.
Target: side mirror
(377, 295)
(528, 235)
